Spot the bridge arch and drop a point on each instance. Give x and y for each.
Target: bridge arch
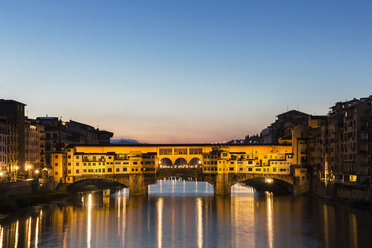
(165, 163)
(180, 163)
(195, 162)
(267, 182)
(100, 183)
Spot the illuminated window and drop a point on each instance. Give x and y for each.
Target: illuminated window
(165, 151)
(195, 151)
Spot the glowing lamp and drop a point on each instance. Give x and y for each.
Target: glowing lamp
(268, 180)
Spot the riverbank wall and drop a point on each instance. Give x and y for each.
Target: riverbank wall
(14, 196)
(349, 194)
(29, 186)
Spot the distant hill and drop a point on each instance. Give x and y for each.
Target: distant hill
(124, 141)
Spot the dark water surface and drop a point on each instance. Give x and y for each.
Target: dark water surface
(186, 214)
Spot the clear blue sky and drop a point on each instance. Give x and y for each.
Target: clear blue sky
(183, 70)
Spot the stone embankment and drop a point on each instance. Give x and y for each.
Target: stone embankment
(15, 196)
(348, 194)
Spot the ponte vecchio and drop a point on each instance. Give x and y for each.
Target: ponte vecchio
(222, 165)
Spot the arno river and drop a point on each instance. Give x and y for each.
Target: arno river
(186, 214)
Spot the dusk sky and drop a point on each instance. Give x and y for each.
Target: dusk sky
(183, 71)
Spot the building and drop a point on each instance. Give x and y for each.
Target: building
(347, 141)
(281, 130)
(34, 145)
(79, 161)
(335, 147)
(15, 113)
(59, 134)
(4, 136)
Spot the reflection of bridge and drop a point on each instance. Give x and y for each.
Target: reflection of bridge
(137, 166)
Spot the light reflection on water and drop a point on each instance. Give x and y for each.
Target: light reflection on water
(186, 214)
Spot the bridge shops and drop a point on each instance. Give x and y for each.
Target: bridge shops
(136, 166)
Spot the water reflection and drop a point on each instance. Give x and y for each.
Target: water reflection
(269, 219)
(160, 222)
(186, 214)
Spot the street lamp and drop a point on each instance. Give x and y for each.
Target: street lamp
(268, 180)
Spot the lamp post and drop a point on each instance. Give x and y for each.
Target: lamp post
(16, 172)
(28, 170)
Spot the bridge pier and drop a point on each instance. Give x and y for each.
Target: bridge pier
(137, 185)
(222, 186)
(300, 186)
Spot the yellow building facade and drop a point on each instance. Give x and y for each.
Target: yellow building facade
(82, 161)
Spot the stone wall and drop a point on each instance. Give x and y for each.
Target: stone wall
(346, 193)
(26, 187)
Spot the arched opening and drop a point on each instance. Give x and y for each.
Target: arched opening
(181, 185)
(277, 186)
(93, 184)
(165, 163)
(180, 163)
(196, 163)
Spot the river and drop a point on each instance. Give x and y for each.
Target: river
(180, 213)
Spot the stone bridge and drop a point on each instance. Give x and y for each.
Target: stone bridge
(222, 183)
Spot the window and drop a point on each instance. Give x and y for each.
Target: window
(76, 157)
(56, 164)
(165, 151)
(117, 169)
(56, 156)
(124, 169)
(249, 169)
(180, 151)
(84, 170)
(69, 171)
(56, 173)
(77, 171)
(195, 151)
(109, 169)
(134, 162)
(103, 170)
